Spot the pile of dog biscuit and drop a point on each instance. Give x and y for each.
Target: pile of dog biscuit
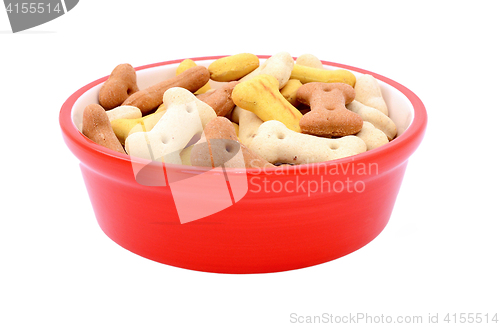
(280, 111)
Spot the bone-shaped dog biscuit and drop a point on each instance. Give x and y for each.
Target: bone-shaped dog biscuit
(183, 119)
(219, 146)
(261, 96)
(232, 68)
(373, 137)
(97, 127)
(279, 65)
(289, 91)
(277, 144)
(376, 117)
(185, 65)
(368, 92)
(307, 74)
(220, 99)
(124, 112)
(309, 60)
(248, 124)
(328, 116)
(180, 96)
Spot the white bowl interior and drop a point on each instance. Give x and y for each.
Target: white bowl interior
(400, 108)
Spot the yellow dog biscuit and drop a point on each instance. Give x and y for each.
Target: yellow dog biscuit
(309, 74)
(261, 96)
(279, 65)
(233, 67)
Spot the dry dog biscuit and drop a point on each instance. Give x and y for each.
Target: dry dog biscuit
(309, 74)
(289, 91)
(236, 128)
(220, 147)
(181, 96)
(123, 127)
(182, 120)
(150, 98)
(185, 65)
(261, 96)
(373, 137)
(374, 116)
(309, 60)
(118, 87)
(97, 127)
(248, 124)
(368, 93)
(328, 116)
(220, 99)
(277, 144)
(124, 112)
(233, 67)
(279, 65)
(147, 124)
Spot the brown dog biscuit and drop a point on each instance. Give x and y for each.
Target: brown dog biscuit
(119, 86)
(220, 99)
(97, 127)
(150, 98)
(221, 146)
(329, 116)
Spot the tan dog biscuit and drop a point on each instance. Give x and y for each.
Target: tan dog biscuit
(185, 65)
(220, 147)
(150, 98)
(328, 116)
(119, 86)
(220, 99)
(97, 127)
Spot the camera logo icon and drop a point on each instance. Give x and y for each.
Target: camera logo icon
(206, 191)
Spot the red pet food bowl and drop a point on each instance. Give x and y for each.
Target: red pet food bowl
(244, 220)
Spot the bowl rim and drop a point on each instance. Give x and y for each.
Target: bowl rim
(413, 133)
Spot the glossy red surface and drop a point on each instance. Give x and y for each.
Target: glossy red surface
(289, 218)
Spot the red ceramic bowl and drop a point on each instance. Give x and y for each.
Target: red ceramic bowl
(244, 221)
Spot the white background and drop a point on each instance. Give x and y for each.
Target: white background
(438, 254)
